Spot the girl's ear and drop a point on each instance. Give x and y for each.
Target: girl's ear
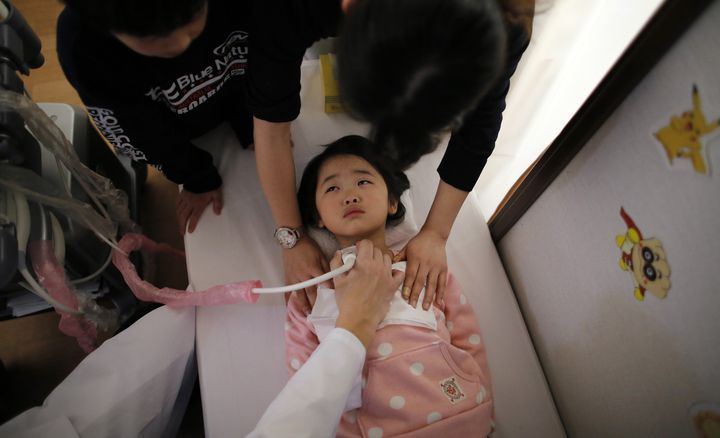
(392, 206)
(320, 224)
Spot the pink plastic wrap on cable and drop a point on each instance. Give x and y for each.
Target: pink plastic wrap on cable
(223, 294)
(52, 277)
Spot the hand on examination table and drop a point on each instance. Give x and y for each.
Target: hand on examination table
(303, 262)
(190, 206)
(363, 294)
(427, 266)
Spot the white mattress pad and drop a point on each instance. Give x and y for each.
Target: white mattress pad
(240, 347)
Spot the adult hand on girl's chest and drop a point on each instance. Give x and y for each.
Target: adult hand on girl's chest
(426, 267)
(363, 294)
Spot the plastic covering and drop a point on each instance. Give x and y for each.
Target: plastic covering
(110, 215)
(42, 191)
(223, 294)
(108, 218)
(51, 276)
(51, 138)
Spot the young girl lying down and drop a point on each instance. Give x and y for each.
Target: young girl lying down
(426, 371)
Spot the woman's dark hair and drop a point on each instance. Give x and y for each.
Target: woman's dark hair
(412, 68)
(395, 180)
(139, 18)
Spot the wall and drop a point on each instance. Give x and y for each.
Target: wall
(574, 44)
(618, 366)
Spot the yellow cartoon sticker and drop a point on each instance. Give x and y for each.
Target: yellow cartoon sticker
(683, 138)
(644, 259)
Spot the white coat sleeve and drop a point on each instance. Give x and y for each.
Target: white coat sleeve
(313, 400)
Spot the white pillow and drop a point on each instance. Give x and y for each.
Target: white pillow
(396, 236)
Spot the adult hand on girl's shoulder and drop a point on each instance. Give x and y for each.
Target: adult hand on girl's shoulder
(303, 262)
(426, 267)
(363, 294)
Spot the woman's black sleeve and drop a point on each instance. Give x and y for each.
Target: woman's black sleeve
(472, 143)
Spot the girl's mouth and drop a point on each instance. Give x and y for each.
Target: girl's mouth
(353, 212)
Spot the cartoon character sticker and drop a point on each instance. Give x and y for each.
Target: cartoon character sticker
(644, 259)
(706, 420)
(683, 138)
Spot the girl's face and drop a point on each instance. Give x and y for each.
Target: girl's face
(352, 199)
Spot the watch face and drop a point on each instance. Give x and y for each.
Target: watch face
(286, 238)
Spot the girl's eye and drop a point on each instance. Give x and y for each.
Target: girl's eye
(331, 189)
(363, 182)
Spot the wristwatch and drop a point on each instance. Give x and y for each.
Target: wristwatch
(287, 237)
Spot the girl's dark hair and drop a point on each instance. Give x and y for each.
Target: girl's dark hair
(139, 18)
(395, 180)
(412, 68)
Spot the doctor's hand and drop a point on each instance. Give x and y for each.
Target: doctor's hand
(303, 262)
(363, 294)
(426, 266)
(190, 206)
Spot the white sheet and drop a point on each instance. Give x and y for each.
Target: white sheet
(240, 348)
(137, 384)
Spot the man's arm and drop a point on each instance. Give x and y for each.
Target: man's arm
(312, 402)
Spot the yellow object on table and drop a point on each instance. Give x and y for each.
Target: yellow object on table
(330, 84)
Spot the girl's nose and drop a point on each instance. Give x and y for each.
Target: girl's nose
(351, 200)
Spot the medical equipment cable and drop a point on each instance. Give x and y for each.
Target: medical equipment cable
(85, 221)
(95, 274)
(59, 246)
(348, 257)
(58, 238)
(84, 186)
(23, 235)
(113, 243)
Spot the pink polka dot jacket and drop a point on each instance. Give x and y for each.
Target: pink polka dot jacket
(416, 382)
